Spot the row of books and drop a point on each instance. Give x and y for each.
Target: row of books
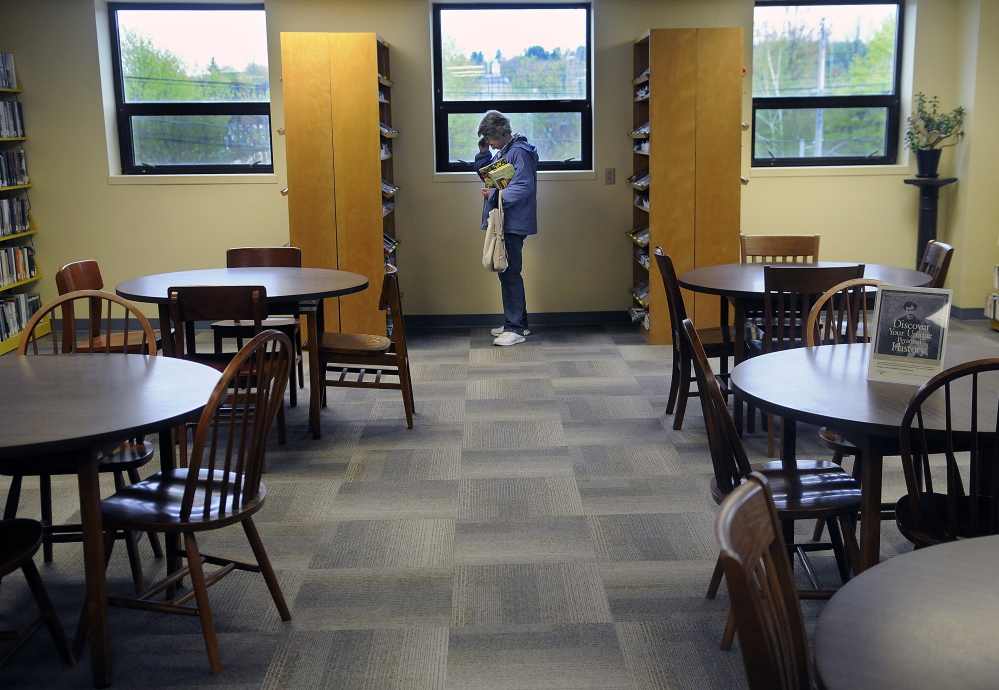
(13, 168)
(387, 131)
(992, 306)
(639, 236)
(387, 207)
(640, 180)
(11, 119)
(388, 189)
(641, 293)
(642, 201)
(16, 264)
(13, 216)
(8, 80)
(15, 311)
(642, 256)
(389, 242)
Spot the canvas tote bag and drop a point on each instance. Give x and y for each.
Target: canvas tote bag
(494, 249)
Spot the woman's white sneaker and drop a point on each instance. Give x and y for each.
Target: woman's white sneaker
(509, 338)
(499, 331)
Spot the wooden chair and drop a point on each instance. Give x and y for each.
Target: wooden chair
(951, 496)
(936, 261)
(779, 248)
(717, 343)
(761, 585)
(790, 294)
(19, 541)
(252, 257)
(220, 486)
(366, 361)
(811, 490)
(102, 310)
(192, 303)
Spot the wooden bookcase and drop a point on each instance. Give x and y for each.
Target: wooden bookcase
(686, 137)
(340, 139)
(19, 271)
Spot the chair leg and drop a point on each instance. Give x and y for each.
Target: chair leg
(48, 611)
(674, 385)
(253, 536)
(13, 497)
(406, 384)
(842, 561)
(204, 606)
(292, 387)
(282, 431)
(45, 498)
(771, 445)
(716, 578)
(729, 634)
(684, 393)
(820, 524)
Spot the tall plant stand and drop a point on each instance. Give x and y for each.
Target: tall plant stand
(929, 196)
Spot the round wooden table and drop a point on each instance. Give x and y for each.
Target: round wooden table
(925, 619)
(66, 407)
(828, 386)
(303, 289)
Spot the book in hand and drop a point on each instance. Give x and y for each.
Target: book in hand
(909, 334)
(497, 174)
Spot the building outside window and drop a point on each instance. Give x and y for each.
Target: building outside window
(192, 93)
(532, 62)
(826, 82)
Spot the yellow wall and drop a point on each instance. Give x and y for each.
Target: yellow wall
(580, 261)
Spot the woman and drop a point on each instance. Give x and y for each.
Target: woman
(520, 215)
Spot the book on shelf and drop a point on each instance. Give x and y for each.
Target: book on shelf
(386, 151)
(14, 216)
(637, 314)
(388, 189)
(16, 311)
(386, 130)
(641, 292)
(992, 306)
(387, 207)
(642, 201)
(640, 180)
(642, 131)
(497, 174)
(11, 119)
(909, 334)
(16, 264)
(639, 236)
(642, 147)
(642, 93)
(13, 168)
(8, 78)
(642, 256)
(389, 242)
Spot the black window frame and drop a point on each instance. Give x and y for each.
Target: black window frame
(891, 102)
(444, 108)
(124, 112)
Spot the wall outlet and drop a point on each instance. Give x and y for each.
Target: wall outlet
(608, 175)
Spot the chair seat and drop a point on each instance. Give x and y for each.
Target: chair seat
(353, 344)
(247, 330)
(936, 505)
(19, 539)
(717, 341)
(119, 457)
(812, 489)
(834, 442)
(118, 340)
(155, 504)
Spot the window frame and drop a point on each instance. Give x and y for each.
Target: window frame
(442, 108)
(892, 102)
(124, 112)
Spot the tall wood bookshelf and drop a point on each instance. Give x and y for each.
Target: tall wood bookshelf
(686, 137)
(16, 225)
(340, 140)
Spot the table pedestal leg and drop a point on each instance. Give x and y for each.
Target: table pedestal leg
(872, 455)
(315, 387)
(788, 440)
(93, 560)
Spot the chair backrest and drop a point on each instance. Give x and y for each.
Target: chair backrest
(391, 301)
(192, 303)
(790, 294)
(227, 455)
(841, 314)
(761, 586)
(936, 261)
(728, 456)
(674, 299)
(80, 275)
(779, 248)
(964, 501)
(102, 309)
(253, 257)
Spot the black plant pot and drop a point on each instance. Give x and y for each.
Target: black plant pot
(927, 162)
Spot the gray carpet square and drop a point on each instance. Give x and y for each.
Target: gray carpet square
(394, 434)
(685, 536)
(506, 389)
(510, 410)
(657, 590)
(623, 385)
(620, 495)
(385, 544)
(499, 462)
(395, 500)
(584, 408)
(617, 432)
(624, 460)
(519, 497)
(405, 464)
(534, 433)
(537, 540)
(444, 411)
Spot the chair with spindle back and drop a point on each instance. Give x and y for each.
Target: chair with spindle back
(797, 249)
(936, 261)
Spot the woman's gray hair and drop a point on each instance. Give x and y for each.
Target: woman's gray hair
(494, 125)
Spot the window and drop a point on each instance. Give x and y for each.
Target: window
(826, 82)
(192, 94)
(531, 62)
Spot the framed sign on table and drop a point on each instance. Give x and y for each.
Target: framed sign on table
(910, 334)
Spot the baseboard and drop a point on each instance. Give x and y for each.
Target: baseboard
(968, 314)
(558, 318)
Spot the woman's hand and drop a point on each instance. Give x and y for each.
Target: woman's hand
(483, 145)
(485, 192)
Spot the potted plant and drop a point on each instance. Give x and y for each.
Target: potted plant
(928, 130)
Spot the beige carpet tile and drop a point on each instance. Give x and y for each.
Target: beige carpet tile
(422, 373)
(439, 390)
(439, 339)
(510, 389)
(640, 352)
(596, 385)
(681, 652)
(511, 370)
(535, 540)
(577, 336)
(659, 367)
(685, 536)
(510, 410)
(581, 408)
(479, 358)
(405, 464)
(385, 544)
(536, 433)
(591, 368)
(519, 497)
(639, 459)
(656, 590)
(395, 434)
(614, 432)
(360, 660)
(564, 657)
(622, 495)
(491, 463)
(447, 411)
(297, 502)
(371, 598)
(395, 500)
(656, 385)
(528, 594)
(290, 546)
(583, 352)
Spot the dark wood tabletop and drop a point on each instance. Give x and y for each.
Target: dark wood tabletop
(283, 284)
(925, 619)
(746, 280)
(67, 407)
